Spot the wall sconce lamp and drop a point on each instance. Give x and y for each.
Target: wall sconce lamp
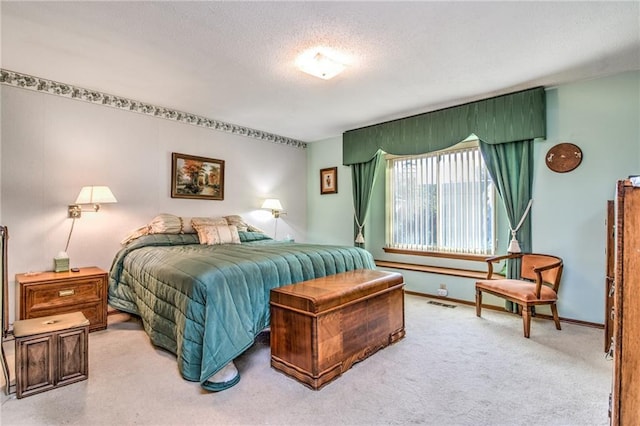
(274, 205)
(94, 195)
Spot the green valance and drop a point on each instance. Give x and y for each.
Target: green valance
(507, 118)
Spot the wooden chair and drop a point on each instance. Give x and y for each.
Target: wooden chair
(538, 285)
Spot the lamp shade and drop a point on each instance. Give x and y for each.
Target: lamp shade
(272, 204)
(95, 195)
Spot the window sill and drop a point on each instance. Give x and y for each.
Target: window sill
(459, 256)
(456, 272)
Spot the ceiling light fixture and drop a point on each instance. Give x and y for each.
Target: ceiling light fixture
(320, 64)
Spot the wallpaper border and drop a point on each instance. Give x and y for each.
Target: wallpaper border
(24, 81)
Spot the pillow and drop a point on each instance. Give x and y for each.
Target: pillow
(162, 224)
(201, 221)
(243, 226)
(217, 234)
(143, 230)
(165, 224)
(171, 224)
(187, 227)
(247, 236)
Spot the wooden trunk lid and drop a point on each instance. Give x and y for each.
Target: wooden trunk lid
(322, 294)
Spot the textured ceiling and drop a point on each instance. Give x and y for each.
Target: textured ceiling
(234, 61)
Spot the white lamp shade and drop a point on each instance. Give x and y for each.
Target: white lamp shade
(95, 195)
(272, 204)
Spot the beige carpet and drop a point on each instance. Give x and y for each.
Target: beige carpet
(451, 369)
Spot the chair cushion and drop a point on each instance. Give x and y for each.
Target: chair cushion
(516, 289)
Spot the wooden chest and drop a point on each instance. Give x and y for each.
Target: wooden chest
(51, 352)
(321, 327)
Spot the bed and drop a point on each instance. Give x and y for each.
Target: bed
(206, 303)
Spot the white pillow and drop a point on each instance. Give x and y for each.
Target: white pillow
(217, 234)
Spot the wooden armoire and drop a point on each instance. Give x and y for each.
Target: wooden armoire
(625, 395)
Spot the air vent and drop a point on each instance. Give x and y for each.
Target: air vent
(446, 305)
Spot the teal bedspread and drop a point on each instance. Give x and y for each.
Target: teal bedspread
(206, 304)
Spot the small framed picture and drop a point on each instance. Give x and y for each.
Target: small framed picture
(197, 177)
(329, 181)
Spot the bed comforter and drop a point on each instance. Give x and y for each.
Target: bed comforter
(207, 303)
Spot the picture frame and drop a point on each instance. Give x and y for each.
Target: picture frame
(329, 181)
(196, 177)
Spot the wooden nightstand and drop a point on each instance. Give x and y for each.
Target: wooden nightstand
(52, 293)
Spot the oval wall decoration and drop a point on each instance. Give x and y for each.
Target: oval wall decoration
(564, 157)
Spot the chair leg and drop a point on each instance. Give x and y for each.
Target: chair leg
(478, 302)
(556, 318)
(526, 320)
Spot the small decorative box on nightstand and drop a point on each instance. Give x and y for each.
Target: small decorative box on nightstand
(52, 293)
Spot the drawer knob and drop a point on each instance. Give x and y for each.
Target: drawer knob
(63, 293)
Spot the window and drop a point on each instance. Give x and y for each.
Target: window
(441, 202)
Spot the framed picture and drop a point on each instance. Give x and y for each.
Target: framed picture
(196, 177)
(329, 181)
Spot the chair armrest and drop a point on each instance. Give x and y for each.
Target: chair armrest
(490, 261)
(502, 257)
(545, 268)
(539, 272)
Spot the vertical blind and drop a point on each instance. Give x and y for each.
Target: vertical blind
(440, 202)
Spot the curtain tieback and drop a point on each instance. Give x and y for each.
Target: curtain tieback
(514, 246)
(359, 237)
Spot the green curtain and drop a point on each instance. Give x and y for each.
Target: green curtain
(511, 168)
(363, 177)
(513, 117)
(506, 126)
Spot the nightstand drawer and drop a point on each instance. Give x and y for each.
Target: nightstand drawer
(59, 294)
(53, 293)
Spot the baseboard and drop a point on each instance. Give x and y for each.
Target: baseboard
(499, 309)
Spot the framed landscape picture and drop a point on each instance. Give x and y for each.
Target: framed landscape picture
(329, 181)
(196, 177)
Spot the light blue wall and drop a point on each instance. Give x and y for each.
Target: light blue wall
(602, 117)
(330, 221)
